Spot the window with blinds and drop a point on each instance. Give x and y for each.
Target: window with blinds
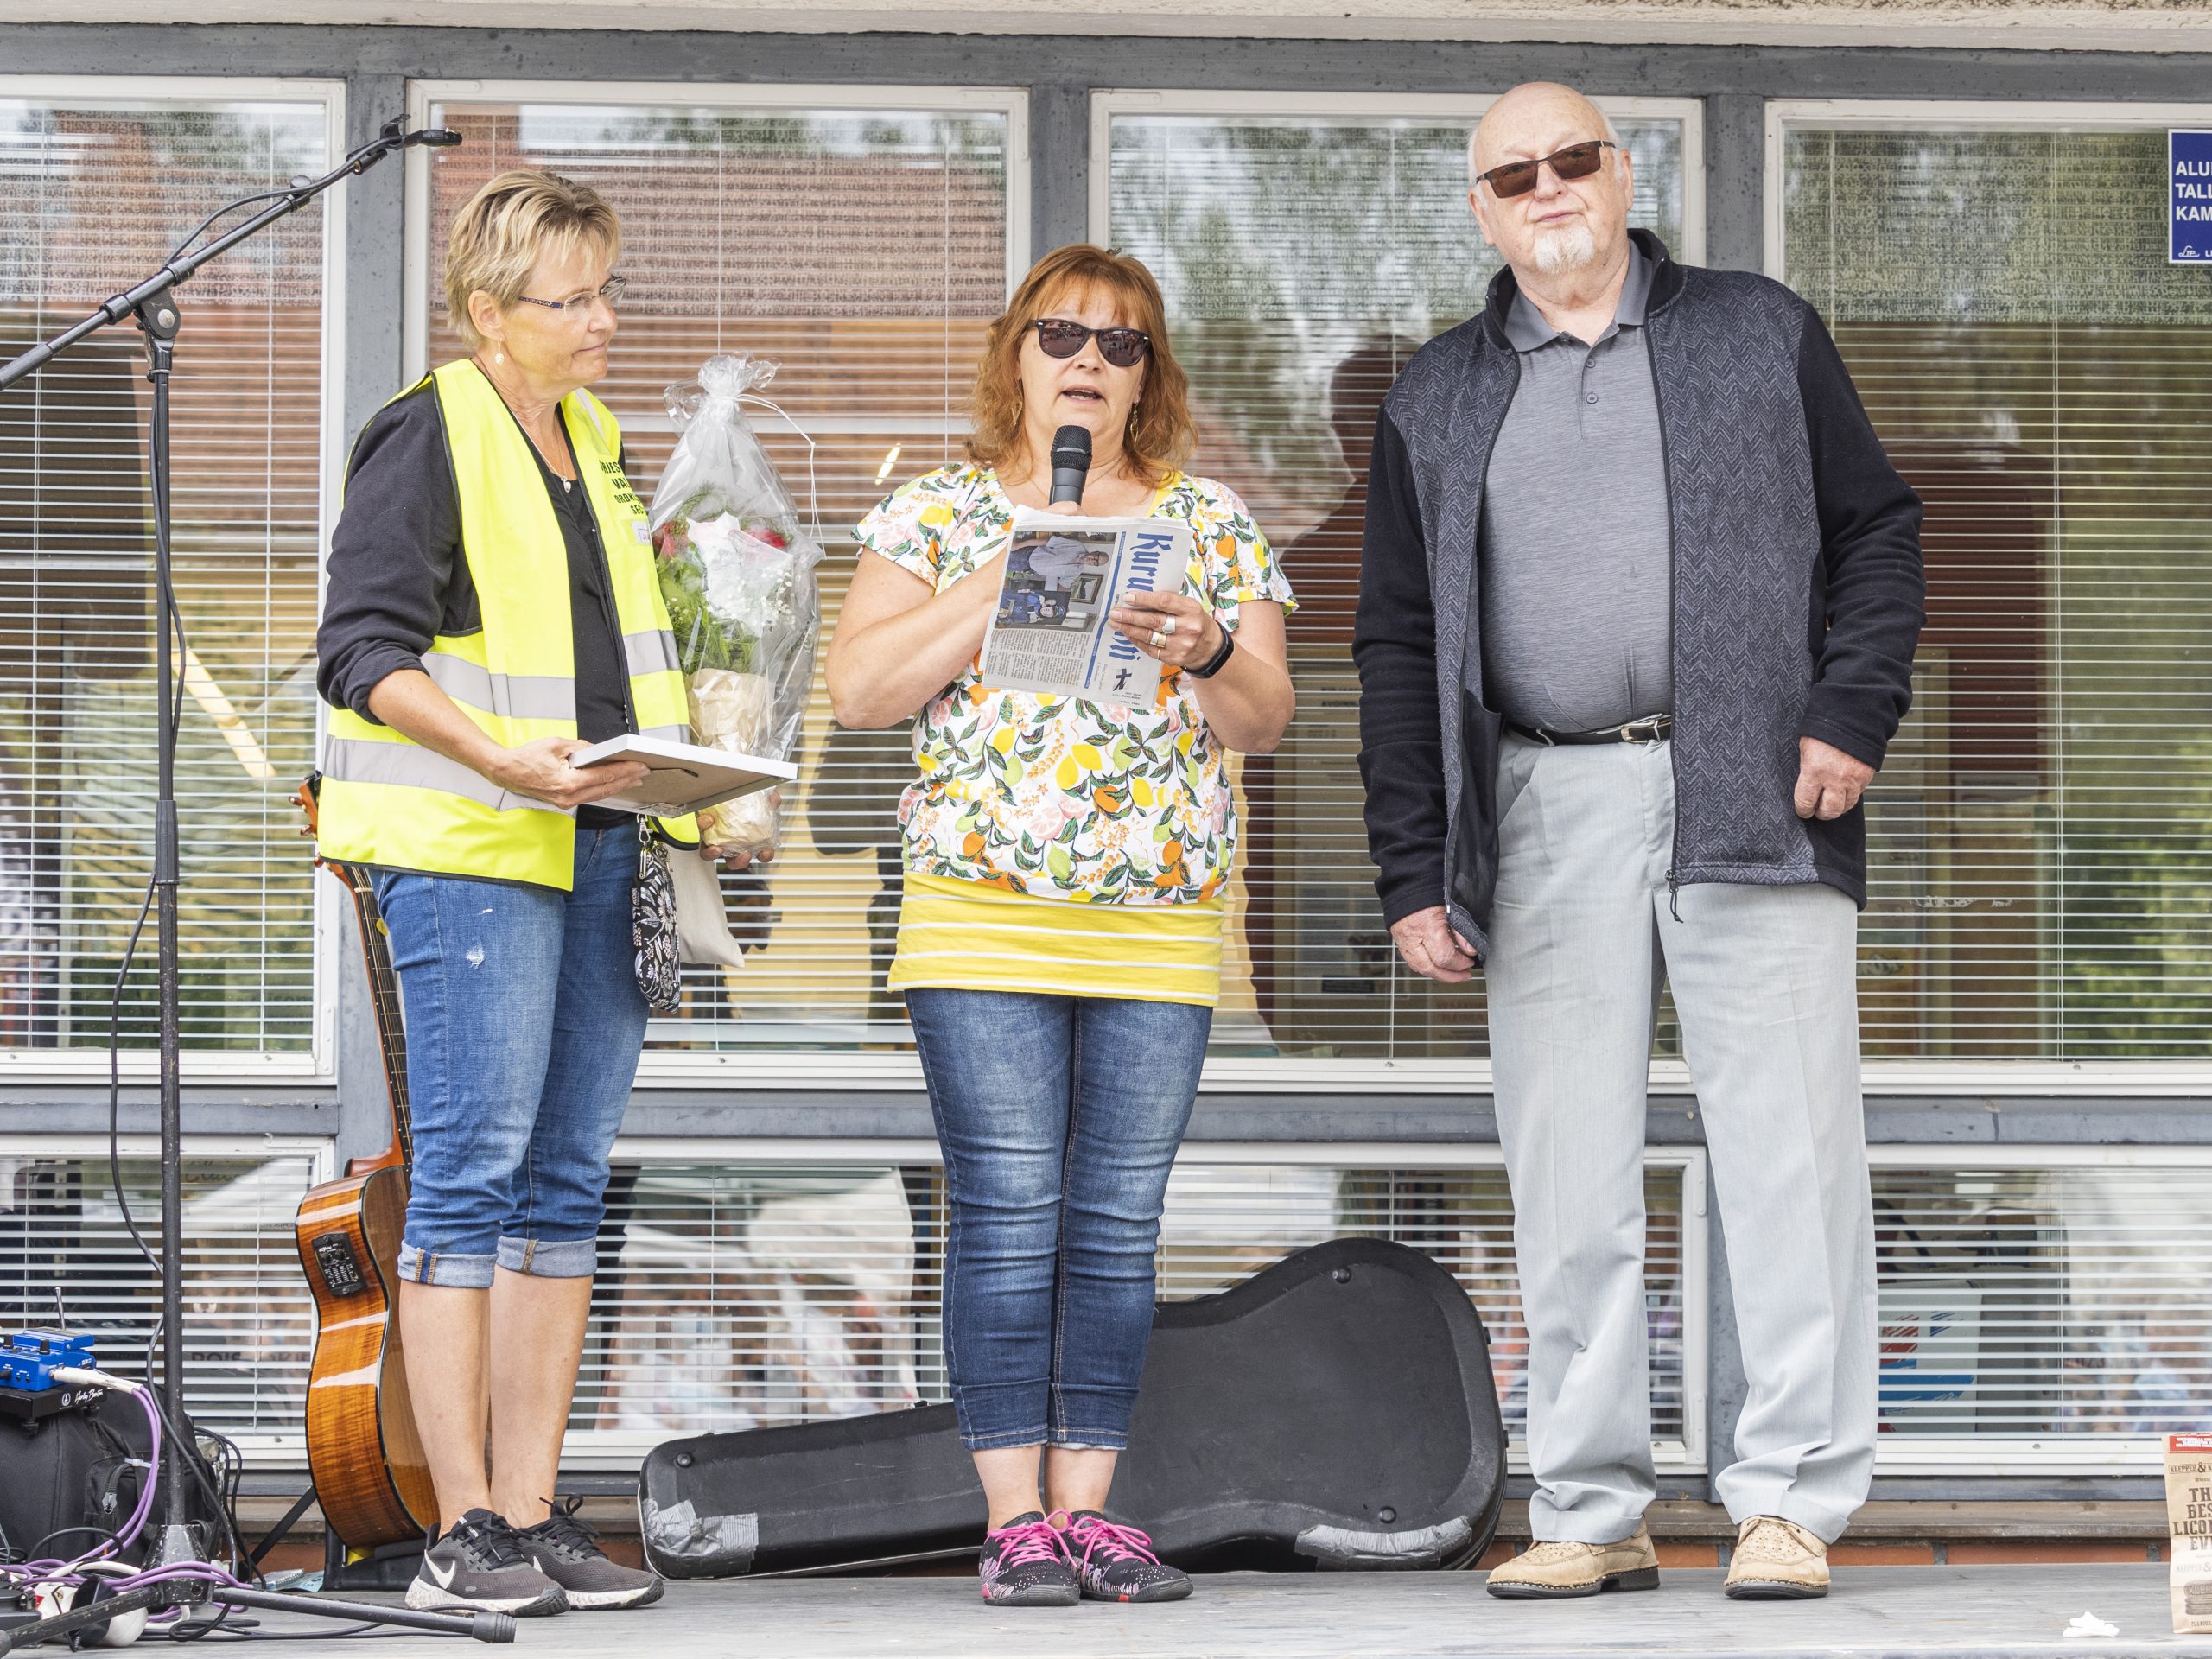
(2055, 1312)
(67, 1258)
(2042, 866)
(2044, 1310)
(1303, 259)
(95, 192)
(745, 1295)
(863, 246)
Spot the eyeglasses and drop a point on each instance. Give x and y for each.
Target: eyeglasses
(1123, 347)
(1575, 162)
(610, 290)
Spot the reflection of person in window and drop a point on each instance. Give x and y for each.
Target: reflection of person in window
(1653, 767)
(1323, 565)
(1060, 939)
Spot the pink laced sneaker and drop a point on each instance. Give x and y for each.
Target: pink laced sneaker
(1025, 1564)
(1116, 1563)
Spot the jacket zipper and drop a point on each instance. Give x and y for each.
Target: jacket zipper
(1470, 619)
(1673, 763)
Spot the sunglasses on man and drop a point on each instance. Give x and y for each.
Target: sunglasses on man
(1575, 162)
(1123, 347)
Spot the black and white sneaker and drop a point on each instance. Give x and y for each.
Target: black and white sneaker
(479, 1564)
(567, 1551)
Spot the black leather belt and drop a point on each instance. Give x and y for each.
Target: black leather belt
(1652, 728)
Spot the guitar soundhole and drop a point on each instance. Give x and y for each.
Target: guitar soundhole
(341, 1269)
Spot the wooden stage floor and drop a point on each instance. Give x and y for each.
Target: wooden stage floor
(1897, 1612)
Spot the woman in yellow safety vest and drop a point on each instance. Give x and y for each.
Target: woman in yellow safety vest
(492, 609)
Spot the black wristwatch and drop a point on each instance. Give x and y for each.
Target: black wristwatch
(1212, 666)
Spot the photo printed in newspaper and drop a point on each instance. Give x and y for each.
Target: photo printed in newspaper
(1062, 576)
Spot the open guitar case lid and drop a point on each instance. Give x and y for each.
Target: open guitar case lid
(1335, 1411)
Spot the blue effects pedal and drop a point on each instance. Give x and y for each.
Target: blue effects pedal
(29, 1359)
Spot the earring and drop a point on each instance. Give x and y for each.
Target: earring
(498, 357)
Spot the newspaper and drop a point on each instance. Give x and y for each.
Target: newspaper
(1061, 577)
(2188, 1524)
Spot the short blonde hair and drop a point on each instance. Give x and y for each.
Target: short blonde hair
(498, 236)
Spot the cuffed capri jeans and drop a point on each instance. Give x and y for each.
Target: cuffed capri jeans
(524, 1023)
(1059, 1117)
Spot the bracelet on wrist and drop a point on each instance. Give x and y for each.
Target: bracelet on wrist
(1213, 665)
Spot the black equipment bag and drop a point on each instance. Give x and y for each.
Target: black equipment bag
(1335, 1411)
(70, 1474)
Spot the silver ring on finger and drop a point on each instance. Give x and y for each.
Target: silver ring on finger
(1167, 627)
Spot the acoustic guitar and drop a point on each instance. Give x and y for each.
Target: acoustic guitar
(371, 1477)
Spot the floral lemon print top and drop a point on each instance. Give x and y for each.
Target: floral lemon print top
(1061, 799)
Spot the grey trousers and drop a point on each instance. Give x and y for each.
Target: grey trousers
(1764, 982)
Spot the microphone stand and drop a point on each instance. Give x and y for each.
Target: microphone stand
(151, 304)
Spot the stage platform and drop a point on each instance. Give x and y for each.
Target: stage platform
(1896, 1613)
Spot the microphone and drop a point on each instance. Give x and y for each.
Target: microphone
(1071, 462)
(432, 137)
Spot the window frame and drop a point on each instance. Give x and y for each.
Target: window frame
(1289, 1075)
(2049, 1455)
(318, 1061)
(765, 1068)
(2165, 1079)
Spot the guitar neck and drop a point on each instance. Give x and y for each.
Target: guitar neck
(383, 996)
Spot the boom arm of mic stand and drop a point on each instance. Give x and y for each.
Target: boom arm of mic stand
(125, 304)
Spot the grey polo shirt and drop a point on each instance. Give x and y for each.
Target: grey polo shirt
(1576, 576)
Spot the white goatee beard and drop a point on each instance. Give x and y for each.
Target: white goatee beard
(1563, 251)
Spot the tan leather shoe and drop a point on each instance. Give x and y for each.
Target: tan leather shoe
(1557, 1569)
(1776, 1560)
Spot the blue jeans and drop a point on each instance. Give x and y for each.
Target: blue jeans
(524, 1026)
(1059, 1117)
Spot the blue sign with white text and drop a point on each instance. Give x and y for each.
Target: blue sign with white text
(2189, 196)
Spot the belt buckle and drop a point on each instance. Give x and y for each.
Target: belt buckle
(1641, 731)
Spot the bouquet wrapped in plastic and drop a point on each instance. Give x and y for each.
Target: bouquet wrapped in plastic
(737, 572)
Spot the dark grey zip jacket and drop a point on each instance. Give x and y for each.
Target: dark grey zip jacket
(1797, 600)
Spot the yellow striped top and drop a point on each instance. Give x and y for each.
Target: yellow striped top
(970, 937)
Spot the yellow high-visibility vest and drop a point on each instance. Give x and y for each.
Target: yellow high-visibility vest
(388, 801)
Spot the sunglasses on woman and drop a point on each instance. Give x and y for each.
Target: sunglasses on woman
(1575, 162)
(1123, 347)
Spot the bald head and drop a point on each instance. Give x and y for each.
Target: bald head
(1557, 227)
(1516, 127)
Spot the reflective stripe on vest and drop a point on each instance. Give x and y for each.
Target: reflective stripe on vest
(391, 802)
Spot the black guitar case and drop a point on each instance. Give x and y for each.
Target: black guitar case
(1336, 1411)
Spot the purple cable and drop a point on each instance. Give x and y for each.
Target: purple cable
(57, 1571)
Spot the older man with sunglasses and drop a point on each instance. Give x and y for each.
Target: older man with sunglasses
(1638, 611)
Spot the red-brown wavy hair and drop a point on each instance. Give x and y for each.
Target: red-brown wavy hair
(1161, 434)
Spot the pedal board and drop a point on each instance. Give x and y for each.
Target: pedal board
(23, 1406)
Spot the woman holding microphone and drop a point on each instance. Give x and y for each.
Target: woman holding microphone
(491, 609)
(1061, 988)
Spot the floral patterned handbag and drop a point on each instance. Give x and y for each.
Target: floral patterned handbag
(652, 925)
